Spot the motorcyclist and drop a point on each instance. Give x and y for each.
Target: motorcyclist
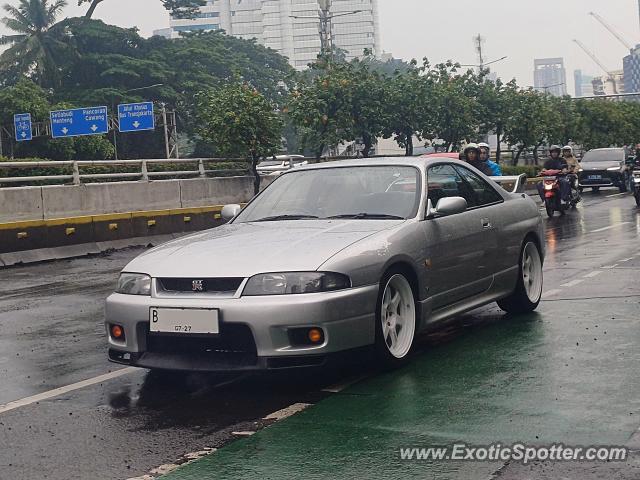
(485, 156)
(556, 162)
(572, 163)
(471, 154)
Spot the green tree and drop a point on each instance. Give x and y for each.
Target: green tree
(34, 48)
(407, 100)
(240, 122)
(178, 8)
(497, 106)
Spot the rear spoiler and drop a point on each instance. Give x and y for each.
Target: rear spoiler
(512, 184)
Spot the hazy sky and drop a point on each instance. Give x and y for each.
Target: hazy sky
(441, 30)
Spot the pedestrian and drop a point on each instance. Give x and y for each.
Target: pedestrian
(485, 156)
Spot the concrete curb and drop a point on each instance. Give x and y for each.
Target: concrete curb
(81, 250)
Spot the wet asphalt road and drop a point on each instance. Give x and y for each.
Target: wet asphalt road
(51, 335)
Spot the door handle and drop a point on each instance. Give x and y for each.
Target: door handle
(486, 223)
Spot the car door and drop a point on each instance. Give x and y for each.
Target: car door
(461, 248)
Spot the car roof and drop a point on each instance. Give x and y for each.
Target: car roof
(419, 162)
(611, 149)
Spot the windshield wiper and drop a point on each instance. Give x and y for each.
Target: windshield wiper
(275, 218)
(375, 216)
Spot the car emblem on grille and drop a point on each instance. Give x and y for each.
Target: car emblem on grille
(197, 286)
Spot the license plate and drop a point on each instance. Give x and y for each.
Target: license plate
(183, 320)
(595, 177)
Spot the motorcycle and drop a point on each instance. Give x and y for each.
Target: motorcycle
(551, 186)
(636, 186)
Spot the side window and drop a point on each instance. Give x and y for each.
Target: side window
(484, 193)
(444, 181)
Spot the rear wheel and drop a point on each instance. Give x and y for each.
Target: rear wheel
(395, 320)
(528, 292)
(548, 205)
(625, 184)
(637, 195)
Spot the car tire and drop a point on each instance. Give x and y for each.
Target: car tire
(528, 292)
(394, 345)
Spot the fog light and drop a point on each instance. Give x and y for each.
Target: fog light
(315, 335)
(117, 332)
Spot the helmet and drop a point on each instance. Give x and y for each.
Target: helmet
(555, 147)
(484, 145)
(471, 146)
(568, 147)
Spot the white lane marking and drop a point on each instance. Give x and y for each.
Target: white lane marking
(609, 227)
(609, 267)
(572, 283)
(550, 293)
(287, 412)
(243, 433)
(627, 259)
(338, 387)
(56, 392)
(615, 195)
(595, 273)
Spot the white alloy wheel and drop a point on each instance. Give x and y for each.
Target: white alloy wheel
(398, 316)
(532, 272)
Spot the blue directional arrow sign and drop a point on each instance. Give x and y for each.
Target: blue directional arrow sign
(22, 123)
(79, 121)
(133, 117)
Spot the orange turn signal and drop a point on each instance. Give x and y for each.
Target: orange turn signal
(117, 332)
(315, 335)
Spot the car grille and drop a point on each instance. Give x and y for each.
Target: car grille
(201, 285)
(234, 345)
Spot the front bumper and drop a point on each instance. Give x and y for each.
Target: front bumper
(254, 331)
(607, 178)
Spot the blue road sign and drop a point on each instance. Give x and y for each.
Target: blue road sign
(79, 121)
(22, 123)
(133, 117)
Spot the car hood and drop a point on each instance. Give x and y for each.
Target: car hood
(246, 249)
(599, 165)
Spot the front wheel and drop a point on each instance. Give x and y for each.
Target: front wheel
(595, 189)
(395, 320)
(549, 206)
(528, 292)
(637, 195)
(625, 184)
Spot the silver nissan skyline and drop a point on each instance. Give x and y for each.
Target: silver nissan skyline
(330, 260)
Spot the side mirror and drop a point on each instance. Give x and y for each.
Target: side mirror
(447, 206)
(230, 211)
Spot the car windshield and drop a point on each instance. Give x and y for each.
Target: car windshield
(370, 192)
(603, 156)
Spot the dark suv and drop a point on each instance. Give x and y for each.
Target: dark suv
(604, 167)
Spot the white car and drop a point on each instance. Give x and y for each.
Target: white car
(280, 164)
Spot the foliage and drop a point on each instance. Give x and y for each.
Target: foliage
(34, 48)
(177, 8)
(239, 122)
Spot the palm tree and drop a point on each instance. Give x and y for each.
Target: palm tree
(34, 47)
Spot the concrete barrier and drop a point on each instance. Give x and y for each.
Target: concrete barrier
(23, 203)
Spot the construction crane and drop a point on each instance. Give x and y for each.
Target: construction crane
(611, 30)
(593, 57)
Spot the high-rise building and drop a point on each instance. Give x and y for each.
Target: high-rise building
(583, 83)
(291, 27)
(631, 67)
(549, 75)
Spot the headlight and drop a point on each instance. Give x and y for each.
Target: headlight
(295, 283)
(134, 284)
(611, 169)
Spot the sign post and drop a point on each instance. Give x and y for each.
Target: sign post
(22, 124)
(135, 117)
(79, 121)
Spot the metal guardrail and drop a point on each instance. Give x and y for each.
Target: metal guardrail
(76, 177)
